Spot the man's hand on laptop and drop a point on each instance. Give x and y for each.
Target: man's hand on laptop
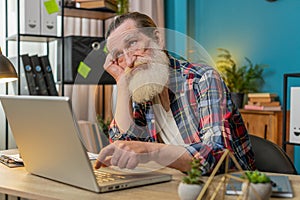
(128, 154)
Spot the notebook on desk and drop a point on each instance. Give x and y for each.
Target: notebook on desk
(48, 139)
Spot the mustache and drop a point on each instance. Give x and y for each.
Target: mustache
(142, 62)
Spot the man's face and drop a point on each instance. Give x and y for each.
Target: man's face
(144, 63)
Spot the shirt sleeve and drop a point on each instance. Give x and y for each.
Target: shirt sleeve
(140, 130)
(214, 111)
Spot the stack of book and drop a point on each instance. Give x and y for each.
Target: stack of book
(93, 4)
(263, 101)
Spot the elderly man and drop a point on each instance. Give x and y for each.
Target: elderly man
(168, 111)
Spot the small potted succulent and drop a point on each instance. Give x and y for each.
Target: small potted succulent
(191, 185)
(260, 186)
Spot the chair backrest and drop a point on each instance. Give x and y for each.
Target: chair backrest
(269, 157)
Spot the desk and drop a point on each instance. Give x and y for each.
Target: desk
(17, 182)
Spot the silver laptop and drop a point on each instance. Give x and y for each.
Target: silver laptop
(48, 139)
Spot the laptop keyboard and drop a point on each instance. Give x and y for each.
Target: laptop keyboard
(103, 177)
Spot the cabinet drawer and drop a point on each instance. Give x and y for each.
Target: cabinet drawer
(264, 124)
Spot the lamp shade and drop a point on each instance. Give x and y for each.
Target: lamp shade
(7, 70)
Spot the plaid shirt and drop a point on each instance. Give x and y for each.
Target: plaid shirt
(203, 110)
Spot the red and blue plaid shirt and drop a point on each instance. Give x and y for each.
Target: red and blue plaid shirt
(204, 113)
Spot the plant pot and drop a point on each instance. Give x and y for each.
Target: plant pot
(237, 99)
(263, 190)
(189, 191)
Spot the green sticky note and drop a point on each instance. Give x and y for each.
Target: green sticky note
(51, 6)
(83, 69)
(105, 49)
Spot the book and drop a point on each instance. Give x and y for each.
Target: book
(29, 74)
(97, 4)
(266, 108)
(44, 60)
(261, 99)
(262, 95)
(83, 1)
(273, 103)
(85, 27)
(39, 75)
(281, 186)
(111, 1)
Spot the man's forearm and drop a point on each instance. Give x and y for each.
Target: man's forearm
(123, 115)
(173, 156)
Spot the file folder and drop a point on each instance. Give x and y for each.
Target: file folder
(29, 74)
(39, 75)
(44, 60)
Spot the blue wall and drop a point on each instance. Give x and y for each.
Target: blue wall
(267, 33)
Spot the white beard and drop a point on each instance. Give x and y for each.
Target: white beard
(149, 80)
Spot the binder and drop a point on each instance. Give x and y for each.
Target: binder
(39, 75)
(29, 74)
(30, 21)
(44, 60)
(48, 21)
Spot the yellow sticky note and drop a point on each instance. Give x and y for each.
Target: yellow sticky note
(51, 6)
(83, 69)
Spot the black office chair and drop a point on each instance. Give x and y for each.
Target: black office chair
(269, 157)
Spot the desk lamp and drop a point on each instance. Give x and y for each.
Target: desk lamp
(7, 70)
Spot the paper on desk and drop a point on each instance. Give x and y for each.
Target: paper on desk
(14, 157)
(92, 156)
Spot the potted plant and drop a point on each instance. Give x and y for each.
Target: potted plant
(191, 185)
(239, 79)
(260, 186)
(103, 125)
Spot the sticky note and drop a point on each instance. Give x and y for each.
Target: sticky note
(105, 49)
(83, 69)
(51, 6)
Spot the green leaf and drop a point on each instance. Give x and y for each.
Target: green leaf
(242, 79)
(194, 174)
(256, 177)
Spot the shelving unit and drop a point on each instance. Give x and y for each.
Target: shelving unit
(33, 38)
(284, 109)
(18, 38)
(101, 14)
